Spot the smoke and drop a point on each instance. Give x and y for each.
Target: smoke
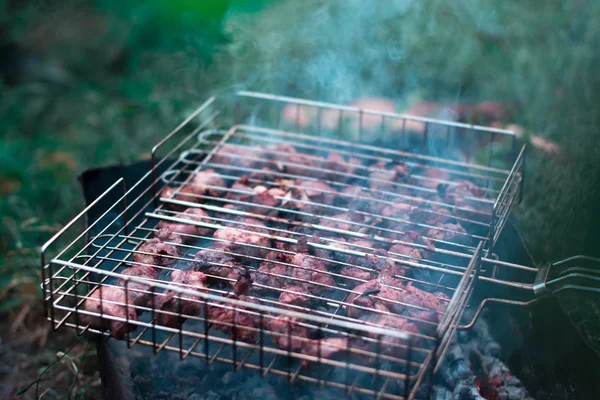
(333, 51)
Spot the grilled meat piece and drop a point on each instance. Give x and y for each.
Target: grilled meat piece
(317, 192)
(434, 301)
(238, 155)
(312, 270)
(138, 293)
(258, 199)
(240, 190)
(208, 182)
(185, 193)
(373, 265)
(389, 344)
(383, 176)
(242, 323)
(290, 161)
(295, 295)
(110, 301)
(245, 244)
(345, 222)
(408, 251)
(449, 232)
(217, 262)
(155, 252)
(248, 224)
(433, 177)
(288, 333)
(273, 272)
(327, 348)
(174, 301)
(182, 233)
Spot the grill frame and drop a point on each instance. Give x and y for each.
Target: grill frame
(508, 195)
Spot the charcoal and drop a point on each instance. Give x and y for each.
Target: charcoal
(210, 395)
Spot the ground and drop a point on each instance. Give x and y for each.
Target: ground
(91, 83)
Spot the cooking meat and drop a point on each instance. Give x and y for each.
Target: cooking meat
(295, 295)
(240, 156)
(433, 177)
(273, 272)
(317, 192)
(434, 301)
(373, 265)
(408, 251)
(155, 252)
(138, 293)
(113, 302)
(326, 348)
(383, 176)
(208, 182)
(247, 224)
(345, 222)
(390, 344)
(448, 232)
(289, 160)
(174, 301)
(217, 262)
(340, 168)
(244, 244)
(183, 233)
(288, 333)
(312, 270)
(185, 193)
(242, 323)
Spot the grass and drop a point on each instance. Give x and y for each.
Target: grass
(107, 81)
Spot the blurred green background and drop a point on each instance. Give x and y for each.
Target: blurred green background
(91, 83)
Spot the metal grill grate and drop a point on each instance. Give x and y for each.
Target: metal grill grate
(322, 343)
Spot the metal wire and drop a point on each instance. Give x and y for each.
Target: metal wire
(454, 257)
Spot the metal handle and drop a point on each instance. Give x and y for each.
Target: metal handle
(578, 273)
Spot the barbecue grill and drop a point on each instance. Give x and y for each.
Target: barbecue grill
(229, 128)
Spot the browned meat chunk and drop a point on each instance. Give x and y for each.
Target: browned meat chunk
(336, 162)
(208, 182)
(408, 251)
(110, 302)
(448, 232)
(390, 344)
(288, 333)
(421, 298)
(384, 176)
(244, 244)
(217, 262)
(327, 348)
(433, 176)
(317, 192)
(345, 222)
(241, 323)
(273, 272)
(186, 193)
(295, 295)
(138, 293)
(175, 302)
(313, 273)
(240, 156)
(248, 224)
(373, 265)
(183, 233)
(155, 252)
